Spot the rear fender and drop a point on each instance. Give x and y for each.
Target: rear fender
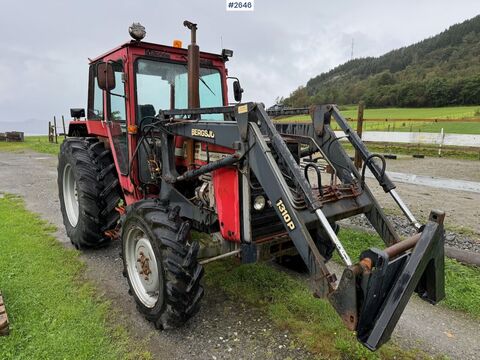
(77, 129)
(87, 128)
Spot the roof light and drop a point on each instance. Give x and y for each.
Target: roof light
(137, 31)
(177, 43)
(226, 53)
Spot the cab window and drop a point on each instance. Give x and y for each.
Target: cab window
(164, 85)
(95, 96)
(118, 117)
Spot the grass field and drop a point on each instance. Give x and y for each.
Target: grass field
(53, 312)
(450, 112)
(35, 143)
(453, 127)
(456, 126)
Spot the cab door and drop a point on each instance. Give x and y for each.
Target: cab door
(117, 116)
(117, 121)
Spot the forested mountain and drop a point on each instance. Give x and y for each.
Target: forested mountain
(438, 71)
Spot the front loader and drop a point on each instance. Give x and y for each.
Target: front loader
(162, 153)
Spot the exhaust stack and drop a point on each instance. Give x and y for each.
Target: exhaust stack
(193, 67)
(193, 82)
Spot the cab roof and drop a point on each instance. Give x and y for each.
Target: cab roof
(158, 47)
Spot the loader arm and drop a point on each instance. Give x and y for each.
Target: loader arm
(372, 293)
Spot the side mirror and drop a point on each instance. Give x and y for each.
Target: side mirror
(105, 76)
(237, 91)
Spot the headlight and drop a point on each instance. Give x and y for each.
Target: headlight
(259, 203)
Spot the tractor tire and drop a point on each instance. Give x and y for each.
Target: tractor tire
(88, 190)
(160, 263)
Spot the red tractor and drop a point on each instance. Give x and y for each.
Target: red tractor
(162, 153)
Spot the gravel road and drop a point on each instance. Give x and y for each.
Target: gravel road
(462, 208)
(224, 329)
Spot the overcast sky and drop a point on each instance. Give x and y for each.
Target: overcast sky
(45, 45)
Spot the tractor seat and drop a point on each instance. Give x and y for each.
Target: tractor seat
(144, 111)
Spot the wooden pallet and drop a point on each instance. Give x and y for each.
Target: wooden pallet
(4, 326)
(15, 136)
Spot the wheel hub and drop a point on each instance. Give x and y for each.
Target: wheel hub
(142, 267)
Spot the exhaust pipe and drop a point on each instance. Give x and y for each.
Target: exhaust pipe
(193, 84)
(193, 67)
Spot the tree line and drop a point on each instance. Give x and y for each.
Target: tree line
(440, 71)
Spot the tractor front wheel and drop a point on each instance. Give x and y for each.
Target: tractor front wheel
(160, 264)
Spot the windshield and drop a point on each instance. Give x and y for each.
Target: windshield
(163, 85)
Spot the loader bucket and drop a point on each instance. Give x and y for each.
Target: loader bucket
(384, 280)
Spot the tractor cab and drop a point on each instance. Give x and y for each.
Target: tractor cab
(130, 84)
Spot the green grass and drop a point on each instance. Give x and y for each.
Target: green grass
(456, 126)
(451, 127)
(53, 312)
(35, 143)
(449, 112)
(462, 282)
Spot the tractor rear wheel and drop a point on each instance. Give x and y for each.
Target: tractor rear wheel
(88, 190)
(160, 263)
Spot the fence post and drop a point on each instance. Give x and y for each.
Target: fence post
(358, 157)
(50, 137)
(418, 145)
(442, 137)
(55, 129)
(64, 132)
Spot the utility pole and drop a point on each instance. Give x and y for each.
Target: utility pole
(351, 53)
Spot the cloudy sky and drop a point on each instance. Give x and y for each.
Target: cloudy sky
(45, 45)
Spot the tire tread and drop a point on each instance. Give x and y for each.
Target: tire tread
(99, 188)
(182, 273)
